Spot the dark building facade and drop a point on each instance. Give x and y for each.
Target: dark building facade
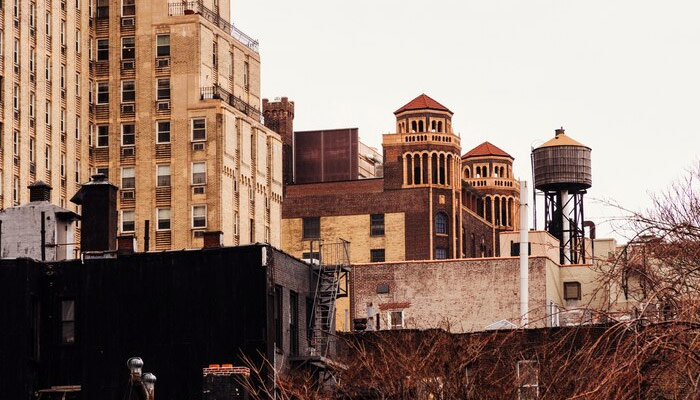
(325, 155)
(76, 323)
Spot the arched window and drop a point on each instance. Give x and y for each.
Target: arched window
(420, 126)
(414, 127)
(439, 126)
(467, 173)
(441, 224)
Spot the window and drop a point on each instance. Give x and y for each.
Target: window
(311, 228)
(163, 175)
(128, 178)
(293, 323)
(440, 254)
(528, 379)
(102, 9)
(15, 143)
(277, 316)
(77, 127)
(32, 153)
(396, 319)
(32, 104)
(47, 70)
(77, 171)
(47, 157)
(215, 54)
(199, 129)
(102, 135)
(515, 248)
(441, 224)
(67, 321)
(163, 91)
(78, 47)
(128, 91)
(63, 121)
(15, 190)
(128, 8)
(376, 255)
(77, 84)
(63, 33)
(90, 54)
(163, 217)
(102, 92)
(48, 113)
(15, 10)
(246, 78)
(48, 24)
(104, 171)
(128, 224)
(63, 77)
(199, 173)
(15, 98)
(128, 48)
(163, 132)
(63, 165)
(102, 49)
(572, 291)
(15, 53)
(128, 134)
(32, 61)
(199, 216)
(376, 225)
(163, 46)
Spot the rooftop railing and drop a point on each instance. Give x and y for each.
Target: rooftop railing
(195, 7)
(216, 92)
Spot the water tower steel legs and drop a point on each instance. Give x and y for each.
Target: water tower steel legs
(564, 220)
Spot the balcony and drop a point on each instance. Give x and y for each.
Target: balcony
(193, 7)
(493, 182)
(217, 93)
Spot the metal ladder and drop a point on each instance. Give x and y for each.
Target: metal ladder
(333, 258)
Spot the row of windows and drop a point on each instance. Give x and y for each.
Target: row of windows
(311, 226)
(129, 47)
(128, 177)
(128, 91)
(198, 132)
(199, 218)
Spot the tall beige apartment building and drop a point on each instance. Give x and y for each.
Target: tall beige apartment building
(161, 96)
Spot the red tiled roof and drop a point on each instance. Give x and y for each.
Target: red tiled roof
(486, 149)
(422, 102)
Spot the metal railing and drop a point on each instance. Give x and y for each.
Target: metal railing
(216, 92)
(196, 7)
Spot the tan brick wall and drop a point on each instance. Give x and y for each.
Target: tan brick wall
(462, 295)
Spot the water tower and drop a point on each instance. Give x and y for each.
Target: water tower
(562, 172)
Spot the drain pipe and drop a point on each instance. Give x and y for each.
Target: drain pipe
(523, 255)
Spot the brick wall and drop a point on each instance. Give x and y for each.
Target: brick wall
(462, 295)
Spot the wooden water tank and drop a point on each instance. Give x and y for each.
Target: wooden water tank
(562, 164)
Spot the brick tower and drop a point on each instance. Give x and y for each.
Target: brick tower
(279, 116)
(424, 156)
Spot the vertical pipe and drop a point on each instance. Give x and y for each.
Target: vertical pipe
(146, 235)
(523, 255)
(43, 236)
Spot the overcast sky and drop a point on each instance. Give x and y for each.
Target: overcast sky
(621, 76)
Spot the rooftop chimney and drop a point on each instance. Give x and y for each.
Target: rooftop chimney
(39, 191)
(99, 201)
(559, 131)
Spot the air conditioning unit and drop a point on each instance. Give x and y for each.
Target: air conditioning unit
(16, 114)
(198, 190)
(198, 146)
(128, 152)
(32, 78)
(128, 108)
(127, 22)
(127, 195)
(163, 105)
(32, 168)
(162, 62)
(31, 122)
(32, 31)
(128, 65)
